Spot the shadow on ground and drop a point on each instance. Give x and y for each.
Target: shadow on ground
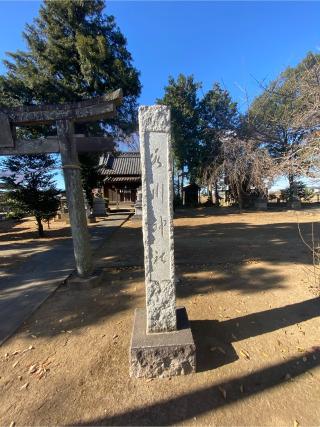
(193, 404)
(217, 337)
(201, 254)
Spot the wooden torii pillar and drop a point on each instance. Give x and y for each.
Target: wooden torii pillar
(68, 145)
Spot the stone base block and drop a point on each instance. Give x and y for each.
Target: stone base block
(92, 281)
(164, 354)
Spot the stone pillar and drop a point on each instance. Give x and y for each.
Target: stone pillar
(156, 167)
(75, 199)
(162, 342)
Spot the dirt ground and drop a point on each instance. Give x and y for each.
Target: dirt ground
(246, 281)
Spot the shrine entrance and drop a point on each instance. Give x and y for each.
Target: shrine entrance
(64, 117)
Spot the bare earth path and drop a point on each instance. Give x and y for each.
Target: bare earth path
(255, 316)
(24, 287)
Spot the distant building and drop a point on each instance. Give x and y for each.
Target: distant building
(191, 195)
(121, 177)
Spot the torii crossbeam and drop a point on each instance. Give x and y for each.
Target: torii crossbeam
(68, 145)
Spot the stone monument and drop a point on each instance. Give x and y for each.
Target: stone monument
(98, 205)
(162, 343)
(138, 205)
(295, 202)
(261, 203)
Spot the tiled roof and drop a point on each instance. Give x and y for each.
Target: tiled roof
(124, 164)
(115, 179)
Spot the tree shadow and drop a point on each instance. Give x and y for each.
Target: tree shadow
(24, 288)
(27, 234)
(210, 398)
(124, 258)
(215, 243)
(75, 309)
(226, 253)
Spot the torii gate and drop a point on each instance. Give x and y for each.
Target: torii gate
(68, 145)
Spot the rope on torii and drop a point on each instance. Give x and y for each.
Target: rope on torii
(64, 116)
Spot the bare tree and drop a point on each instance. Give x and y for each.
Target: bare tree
(306, 86)
(243, 164)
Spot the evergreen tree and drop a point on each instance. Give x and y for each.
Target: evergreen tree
(74, 51)
(31, 187)
(181, 96)
(218, 114)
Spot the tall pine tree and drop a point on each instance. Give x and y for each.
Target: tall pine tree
(218, 113)
(74, 51)
(181, 96)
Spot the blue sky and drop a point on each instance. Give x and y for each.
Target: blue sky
(235, 43)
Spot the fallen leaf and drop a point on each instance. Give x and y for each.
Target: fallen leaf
(12, 424)
(32, 369)
(15, 363)
(241, 388)
(115, 336)
(223, 392)
(25, 386)
(245, 354)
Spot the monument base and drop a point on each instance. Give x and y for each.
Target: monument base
(94, 280)
(162, 354)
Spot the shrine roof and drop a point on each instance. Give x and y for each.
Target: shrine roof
(123, 164)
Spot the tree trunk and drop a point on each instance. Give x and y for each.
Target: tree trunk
(291, 187)
(40, 226)
(240, 201)
(182, 181)
(216, 195)
(210, 193)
